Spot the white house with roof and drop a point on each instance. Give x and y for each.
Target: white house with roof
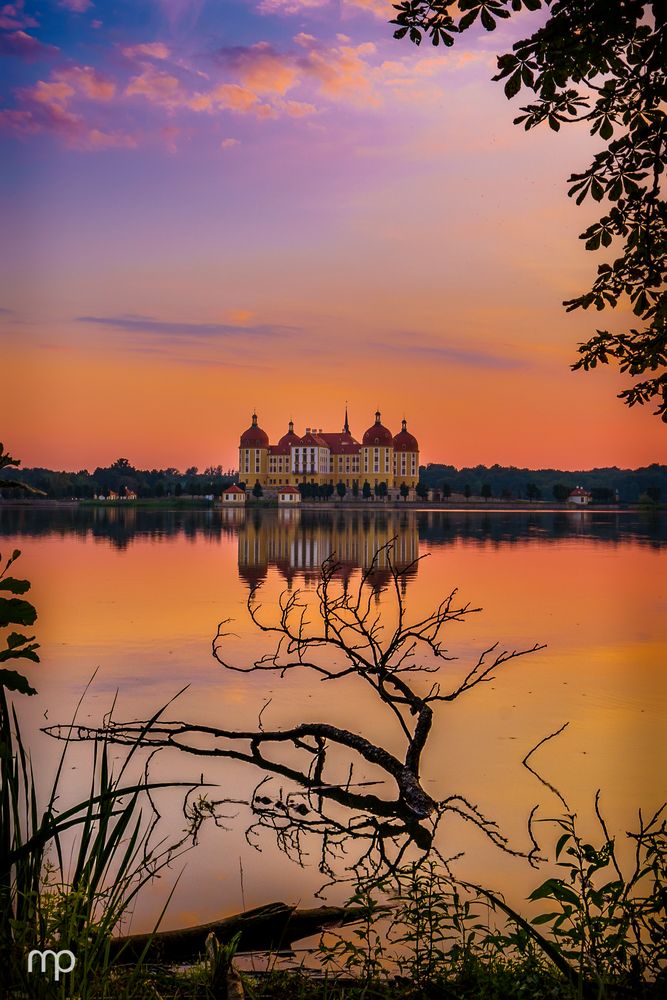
(233, 495)
(289, 495)
(580, 496)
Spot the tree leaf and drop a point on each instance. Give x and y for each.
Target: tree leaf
(14, 611)
(14, 681)
(14, 585)
(513, 85)
(487, 20)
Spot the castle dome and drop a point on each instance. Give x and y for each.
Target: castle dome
(254, 437)
(289, 439)
(404, 440)
(378, 434)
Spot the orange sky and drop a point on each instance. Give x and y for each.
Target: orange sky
(308, 214)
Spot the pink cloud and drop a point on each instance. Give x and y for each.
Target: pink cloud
(13, 17)
(169, 135)
(89, 82)
(24, 46)
(263, 70)
(231, 97)
(152, 50)
(229, 143)
(45, 108)
(157, 86)
(52, 94)
(288, 6)
(380, 8)
(18, 120)
(76, 6)
(97, 139)
(342, 72)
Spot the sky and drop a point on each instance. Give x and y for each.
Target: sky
(214, 207)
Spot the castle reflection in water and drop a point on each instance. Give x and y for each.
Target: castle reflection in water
(296, 543)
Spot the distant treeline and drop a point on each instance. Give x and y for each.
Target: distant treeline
(548, 484)
(121, 475)
(498, 482)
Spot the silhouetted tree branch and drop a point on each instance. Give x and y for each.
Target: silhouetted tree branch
(339, 635)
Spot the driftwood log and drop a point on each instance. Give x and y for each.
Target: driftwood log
(274, 927)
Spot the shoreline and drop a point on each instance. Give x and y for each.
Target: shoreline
(423, 506)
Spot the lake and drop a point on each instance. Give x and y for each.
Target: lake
(136, 595)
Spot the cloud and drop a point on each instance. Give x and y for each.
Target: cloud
(98, 139)
(88, 82)
(13, 17)
(289, 6)
(340, 72)
(150, 50)
(380, 8)
(76, 6)
(24, 46)
(45, 108)
(457, 355)
(229, 143)
(151, 326)
(230, 97)
(157, 86)
(261, 68)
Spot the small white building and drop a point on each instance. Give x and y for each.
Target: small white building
(233, 495)
(288, 495)
(580, 496)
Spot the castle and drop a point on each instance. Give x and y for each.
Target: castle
(325, 458)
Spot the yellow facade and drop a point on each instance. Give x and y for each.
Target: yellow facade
(324, 458)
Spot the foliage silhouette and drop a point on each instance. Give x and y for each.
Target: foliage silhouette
(603, 62)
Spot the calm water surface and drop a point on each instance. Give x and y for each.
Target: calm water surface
(137, 595)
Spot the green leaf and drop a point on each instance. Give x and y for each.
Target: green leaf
(16, 612)
(15, 586)
(15, 682)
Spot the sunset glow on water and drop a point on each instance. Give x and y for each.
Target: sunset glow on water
(138, 596)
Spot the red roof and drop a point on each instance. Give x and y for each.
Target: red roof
(341, 444)
(286, 442)
(314, 440)
(254, 437)
(579, 491)
(288, 489)
(233, 489)
(378, 434)
(404, 440)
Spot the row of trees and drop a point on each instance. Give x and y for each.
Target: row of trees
(499, 482)
(324, 491)
(559, 492)
(510, 483)
(121, 474)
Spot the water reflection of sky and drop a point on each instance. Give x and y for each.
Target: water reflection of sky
(138, 594)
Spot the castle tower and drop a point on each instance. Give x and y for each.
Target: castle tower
(377, 454)
(406, 458)
(253, 455)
